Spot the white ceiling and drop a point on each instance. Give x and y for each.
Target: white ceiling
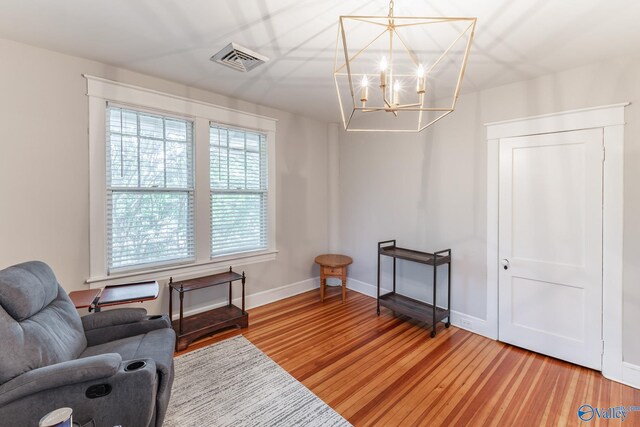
(173, 39)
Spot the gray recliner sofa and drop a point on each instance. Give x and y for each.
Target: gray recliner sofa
(113, 368)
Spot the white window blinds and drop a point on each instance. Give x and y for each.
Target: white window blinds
(238, 176)
(150, 189)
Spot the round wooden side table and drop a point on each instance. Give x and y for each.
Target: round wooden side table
(333, 265)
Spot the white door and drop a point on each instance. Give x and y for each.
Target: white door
(550, 244)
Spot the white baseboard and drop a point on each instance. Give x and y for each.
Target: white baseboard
(471, 323)
(286, 291)
(460, 320)
(262, 298)
(630, 375)
(364, 288)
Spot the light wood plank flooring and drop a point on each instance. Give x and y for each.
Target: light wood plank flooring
(387, 371)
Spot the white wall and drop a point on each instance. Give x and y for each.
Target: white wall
(428, 190)
(44, 172)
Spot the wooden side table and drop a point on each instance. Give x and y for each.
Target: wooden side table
(85, 298)
(332, 265)
(95, 299)
(190, 328)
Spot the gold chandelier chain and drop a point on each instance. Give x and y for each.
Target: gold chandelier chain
(390, 9)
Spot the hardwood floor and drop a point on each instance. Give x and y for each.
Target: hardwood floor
(387, 371)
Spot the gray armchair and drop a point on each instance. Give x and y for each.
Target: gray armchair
(113, 367)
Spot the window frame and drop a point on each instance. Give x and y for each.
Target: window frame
(99, 92)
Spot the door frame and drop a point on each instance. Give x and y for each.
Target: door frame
(610, 118)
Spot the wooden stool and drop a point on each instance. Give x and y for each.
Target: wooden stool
(332, 265)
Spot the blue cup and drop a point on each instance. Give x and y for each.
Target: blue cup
(59, 418)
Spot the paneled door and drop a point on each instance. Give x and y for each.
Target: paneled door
(550, 244)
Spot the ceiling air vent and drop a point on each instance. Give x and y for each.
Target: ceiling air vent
(239, 58)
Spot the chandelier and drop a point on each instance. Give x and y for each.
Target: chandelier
(401, 74)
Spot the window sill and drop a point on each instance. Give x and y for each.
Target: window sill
(199, 268)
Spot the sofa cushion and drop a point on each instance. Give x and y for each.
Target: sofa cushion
(27, 288)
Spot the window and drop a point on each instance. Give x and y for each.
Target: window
(172, 192)
(150, 189)
(238, 180)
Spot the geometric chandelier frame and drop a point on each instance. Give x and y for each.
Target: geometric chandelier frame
(383, 84)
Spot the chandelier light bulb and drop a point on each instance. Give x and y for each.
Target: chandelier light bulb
(420, 84)
(383, 64)
(364, 92)
(383, 72)
(396, 92)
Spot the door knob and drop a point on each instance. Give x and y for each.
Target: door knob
(505, 264)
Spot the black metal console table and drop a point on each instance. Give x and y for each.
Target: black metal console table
(431, 314)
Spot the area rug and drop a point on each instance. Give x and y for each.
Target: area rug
(233, 383)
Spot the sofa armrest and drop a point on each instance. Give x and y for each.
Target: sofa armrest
(109, 333)
(103, 389)
(118, 316)
(59, 375)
